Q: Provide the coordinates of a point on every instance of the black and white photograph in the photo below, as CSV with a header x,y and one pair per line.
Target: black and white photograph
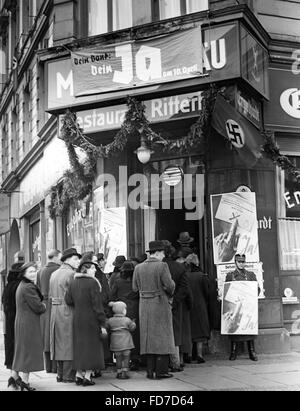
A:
x,y
149,198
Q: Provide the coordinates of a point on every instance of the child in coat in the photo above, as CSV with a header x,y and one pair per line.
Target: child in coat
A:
x,y
121,342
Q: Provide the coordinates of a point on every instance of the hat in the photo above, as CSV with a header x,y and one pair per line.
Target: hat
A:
x,y
82,263
185,238
16,267
119,261
127,266
70,253
118,307
156,246
25,267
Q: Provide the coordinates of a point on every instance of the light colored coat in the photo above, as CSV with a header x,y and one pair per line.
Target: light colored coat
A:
x,y
154,282
61,323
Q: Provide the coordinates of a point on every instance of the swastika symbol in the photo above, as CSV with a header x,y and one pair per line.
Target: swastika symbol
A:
x,y
235,134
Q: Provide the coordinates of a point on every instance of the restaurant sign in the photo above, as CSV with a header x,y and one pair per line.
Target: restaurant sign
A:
x,y
157,110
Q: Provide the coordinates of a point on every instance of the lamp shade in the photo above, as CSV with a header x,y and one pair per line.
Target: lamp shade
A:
x,y
144,154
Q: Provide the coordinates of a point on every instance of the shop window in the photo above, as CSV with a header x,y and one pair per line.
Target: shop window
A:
x,y
289,223
80,227
35,237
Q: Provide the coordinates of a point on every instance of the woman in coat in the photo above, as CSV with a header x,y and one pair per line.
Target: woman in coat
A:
x,y
28,354
9,308
84,294
199,317
122,291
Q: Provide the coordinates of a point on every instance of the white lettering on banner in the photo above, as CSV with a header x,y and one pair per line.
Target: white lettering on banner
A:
x,y
151,57
287,197
247,108
290,102
148,66
265,223
126,75
218,60
64,84
296,64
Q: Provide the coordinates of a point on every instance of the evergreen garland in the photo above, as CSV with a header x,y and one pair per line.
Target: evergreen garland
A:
x,y
77,183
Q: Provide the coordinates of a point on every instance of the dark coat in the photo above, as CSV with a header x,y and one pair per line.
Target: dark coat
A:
x,y
101,277
9,308
154,282
84,295
178,274
122,291
28,355
44,284
242,275
199,285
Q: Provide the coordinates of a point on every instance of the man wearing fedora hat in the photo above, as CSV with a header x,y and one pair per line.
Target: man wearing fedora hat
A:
x,y
61,323
155,285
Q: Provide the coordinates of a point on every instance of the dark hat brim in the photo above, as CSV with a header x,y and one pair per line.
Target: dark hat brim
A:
x,y
87,263
65,257
191,240
156,249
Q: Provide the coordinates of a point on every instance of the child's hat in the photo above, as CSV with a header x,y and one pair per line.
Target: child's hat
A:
x,y
118,307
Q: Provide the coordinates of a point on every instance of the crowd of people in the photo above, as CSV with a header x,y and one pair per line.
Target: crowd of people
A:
x,y
72,319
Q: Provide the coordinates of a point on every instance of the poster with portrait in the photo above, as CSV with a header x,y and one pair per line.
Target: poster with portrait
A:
x,y
224,269
234,227
240,308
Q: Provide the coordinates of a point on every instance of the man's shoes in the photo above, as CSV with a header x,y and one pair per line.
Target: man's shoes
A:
x,y
253,356
150,375
68,381
176,369
200,360
59,379
97,374
161,376
124,376
87,383
79,381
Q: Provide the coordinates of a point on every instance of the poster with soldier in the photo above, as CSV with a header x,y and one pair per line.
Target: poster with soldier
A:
x,y
240,308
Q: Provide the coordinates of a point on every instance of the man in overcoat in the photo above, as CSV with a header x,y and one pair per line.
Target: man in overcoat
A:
x,y
44,276
61,323
155,285
241,274
178,274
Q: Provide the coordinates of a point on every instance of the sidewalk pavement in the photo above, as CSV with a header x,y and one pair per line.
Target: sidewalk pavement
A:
x,y
271,373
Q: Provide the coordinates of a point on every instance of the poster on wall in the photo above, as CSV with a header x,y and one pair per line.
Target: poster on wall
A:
x,y
224,269
234,227
240,308
112,235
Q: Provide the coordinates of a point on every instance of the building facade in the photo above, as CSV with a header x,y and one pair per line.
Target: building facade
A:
x,y
243,48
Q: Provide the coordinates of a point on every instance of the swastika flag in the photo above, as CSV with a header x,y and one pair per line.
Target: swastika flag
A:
x,y
247,140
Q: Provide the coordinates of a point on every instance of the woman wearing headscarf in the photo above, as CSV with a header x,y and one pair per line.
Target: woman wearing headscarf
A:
x,y
84,294
9,308
28,354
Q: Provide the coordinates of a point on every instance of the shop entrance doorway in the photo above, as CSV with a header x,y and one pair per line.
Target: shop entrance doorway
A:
x,y
170,223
